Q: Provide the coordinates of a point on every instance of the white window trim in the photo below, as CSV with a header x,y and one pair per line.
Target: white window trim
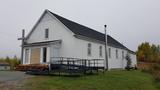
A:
x,y
24,56
41,55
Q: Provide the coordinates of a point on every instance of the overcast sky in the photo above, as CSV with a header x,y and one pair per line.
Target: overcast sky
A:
x,y
129,21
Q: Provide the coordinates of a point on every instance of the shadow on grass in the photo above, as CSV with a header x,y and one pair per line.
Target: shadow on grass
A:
x,y
62,74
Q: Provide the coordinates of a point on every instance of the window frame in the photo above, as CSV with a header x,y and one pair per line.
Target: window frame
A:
x,y
89,49
116,53
26,56
123,55
109,52
46,33
100,51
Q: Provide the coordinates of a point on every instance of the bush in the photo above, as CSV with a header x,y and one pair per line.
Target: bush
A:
x,y
154,69
156,66
129,62
156,75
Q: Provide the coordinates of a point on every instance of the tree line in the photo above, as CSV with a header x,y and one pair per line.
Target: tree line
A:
x,y
13,62
148,52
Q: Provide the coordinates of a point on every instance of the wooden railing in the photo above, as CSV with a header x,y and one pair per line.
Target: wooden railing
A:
x,y
75,65
77,61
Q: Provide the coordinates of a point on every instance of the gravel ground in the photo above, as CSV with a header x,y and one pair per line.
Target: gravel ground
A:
x,y
11,75
12,80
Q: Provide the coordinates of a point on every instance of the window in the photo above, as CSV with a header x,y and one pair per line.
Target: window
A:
x,y
109,54
46,33
100,51
116,53
122,55
5,67
26,56
89,49
44,54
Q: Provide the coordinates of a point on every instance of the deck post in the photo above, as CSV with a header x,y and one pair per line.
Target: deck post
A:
x,y
89,63
84,67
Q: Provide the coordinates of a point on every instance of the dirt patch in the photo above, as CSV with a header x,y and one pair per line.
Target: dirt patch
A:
x,y
14,85
11,85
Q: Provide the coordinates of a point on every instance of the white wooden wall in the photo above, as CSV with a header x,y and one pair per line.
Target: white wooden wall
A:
x,y
71,46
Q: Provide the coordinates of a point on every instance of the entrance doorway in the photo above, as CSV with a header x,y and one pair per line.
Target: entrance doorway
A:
x,y
44,54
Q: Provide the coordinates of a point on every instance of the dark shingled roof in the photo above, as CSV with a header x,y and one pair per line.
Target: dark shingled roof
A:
x,y
79,29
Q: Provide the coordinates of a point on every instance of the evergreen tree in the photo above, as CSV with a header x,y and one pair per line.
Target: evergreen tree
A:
x,y
129,62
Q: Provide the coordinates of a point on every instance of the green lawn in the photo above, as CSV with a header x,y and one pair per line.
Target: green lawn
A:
x,y
111,80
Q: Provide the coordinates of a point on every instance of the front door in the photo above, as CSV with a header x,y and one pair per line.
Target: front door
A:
x,y
44,54
35,56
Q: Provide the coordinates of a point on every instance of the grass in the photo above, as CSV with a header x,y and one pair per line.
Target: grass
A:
x,y
111,80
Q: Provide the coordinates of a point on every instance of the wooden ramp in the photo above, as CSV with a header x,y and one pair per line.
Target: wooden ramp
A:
x,y
76,66
62,65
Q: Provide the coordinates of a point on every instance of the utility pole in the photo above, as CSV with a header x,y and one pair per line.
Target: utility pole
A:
x,y
22,44
106,54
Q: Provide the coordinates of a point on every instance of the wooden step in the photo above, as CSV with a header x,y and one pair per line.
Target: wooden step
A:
x,y
30,67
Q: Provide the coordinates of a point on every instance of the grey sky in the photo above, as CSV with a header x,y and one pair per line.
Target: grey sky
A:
x,y
129,21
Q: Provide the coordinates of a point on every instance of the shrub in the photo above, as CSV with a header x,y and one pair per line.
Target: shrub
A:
x,y
154,69
156,66
156,75
129,62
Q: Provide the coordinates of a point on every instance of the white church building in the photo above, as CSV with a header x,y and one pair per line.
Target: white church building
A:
x,y
56,36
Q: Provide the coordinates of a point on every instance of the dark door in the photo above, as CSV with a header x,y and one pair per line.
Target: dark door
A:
x,y
44,54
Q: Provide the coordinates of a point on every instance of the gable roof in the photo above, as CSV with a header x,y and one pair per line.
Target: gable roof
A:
x,y
82,30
